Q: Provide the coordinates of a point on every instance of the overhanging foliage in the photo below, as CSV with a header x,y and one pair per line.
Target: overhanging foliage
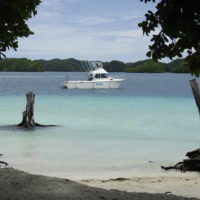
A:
x,y
178,22
13,17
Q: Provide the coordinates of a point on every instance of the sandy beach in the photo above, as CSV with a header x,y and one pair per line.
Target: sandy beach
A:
x,y
15,184
177,183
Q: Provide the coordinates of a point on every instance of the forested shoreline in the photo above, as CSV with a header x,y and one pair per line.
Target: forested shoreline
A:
x,y
71,64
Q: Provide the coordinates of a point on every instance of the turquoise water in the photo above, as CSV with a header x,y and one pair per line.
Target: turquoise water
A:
x,y
102,133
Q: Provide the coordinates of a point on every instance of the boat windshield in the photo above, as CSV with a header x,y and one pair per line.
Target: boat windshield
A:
x,y
101,75
104,75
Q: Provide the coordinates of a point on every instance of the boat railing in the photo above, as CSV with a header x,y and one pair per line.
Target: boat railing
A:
x,y
74,77
121,76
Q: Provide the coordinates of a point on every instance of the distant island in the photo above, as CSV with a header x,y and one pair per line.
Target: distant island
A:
x,y
74,65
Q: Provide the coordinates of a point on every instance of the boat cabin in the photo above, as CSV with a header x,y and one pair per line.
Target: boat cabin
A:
x,y
99,73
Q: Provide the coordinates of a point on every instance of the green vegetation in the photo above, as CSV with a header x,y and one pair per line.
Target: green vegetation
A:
x,y
21,64
115,66
71,64
147,67
56,64
177,66
13,17
177,24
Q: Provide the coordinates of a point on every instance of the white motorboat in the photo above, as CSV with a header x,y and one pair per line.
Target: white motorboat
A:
x,y
98,78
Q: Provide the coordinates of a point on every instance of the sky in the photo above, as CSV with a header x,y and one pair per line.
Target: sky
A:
x,y
86,29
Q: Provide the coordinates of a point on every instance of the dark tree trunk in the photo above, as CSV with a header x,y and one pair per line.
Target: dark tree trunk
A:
x,y
196,92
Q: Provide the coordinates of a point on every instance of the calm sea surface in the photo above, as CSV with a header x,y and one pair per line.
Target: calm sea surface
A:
x,y
102,133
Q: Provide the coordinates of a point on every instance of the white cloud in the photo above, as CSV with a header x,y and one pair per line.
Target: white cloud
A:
x,y
57,4
51,5
133,17
92,20
137,33
47,14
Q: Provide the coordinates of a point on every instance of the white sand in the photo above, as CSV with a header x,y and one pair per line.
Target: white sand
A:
x,y
178,183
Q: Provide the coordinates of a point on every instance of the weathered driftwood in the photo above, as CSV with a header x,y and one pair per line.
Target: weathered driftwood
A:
x,y
196,92
28,115
193,154
2,162
190,164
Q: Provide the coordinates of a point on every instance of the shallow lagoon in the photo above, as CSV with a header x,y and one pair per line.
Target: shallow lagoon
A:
x,y
102,133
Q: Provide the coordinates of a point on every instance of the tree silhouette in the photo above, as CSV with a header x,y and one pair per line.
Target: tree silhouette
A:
x,y
175,26
13,17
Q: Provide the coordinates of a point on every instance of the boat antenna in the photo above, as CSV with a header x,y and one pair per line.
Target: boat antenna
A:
x,y
87,64
84,66
92,67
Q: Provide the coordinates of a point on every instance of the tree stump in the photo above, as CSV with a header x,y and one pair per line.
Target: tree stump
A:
x,y
28,115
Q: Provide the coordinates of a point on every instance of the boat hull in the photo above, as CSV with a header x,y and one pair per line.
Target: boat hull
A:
x,y
93,84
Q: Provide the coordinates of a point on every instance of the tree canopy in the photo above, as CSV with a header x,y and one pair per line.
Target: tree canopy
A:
x,y
20,64
175,26
115,66
147,67
13,17
57,64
